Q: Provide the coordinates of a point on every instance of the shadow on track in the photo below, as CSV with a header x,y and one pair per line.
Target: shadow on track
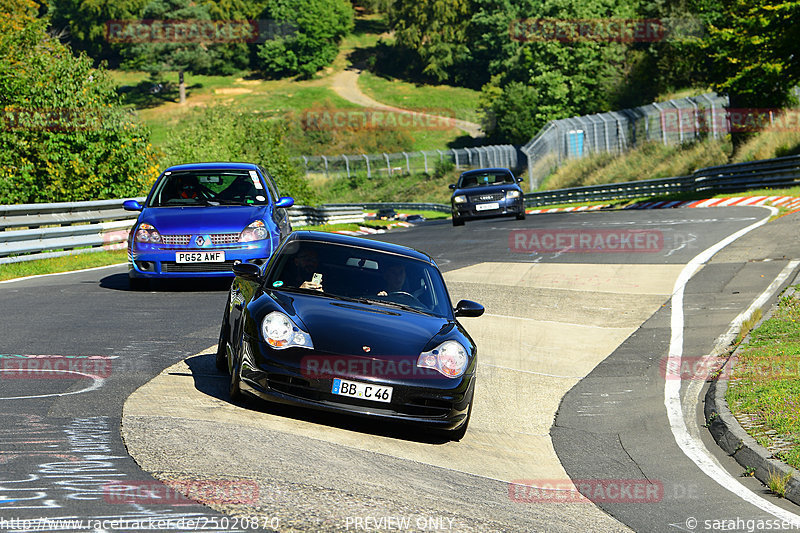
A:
x,y
120,282
210,381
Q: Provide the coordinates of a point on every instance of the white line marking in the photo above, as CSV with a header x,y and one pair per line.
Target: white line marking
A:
x,y
724,341
694,448
96,384
62,273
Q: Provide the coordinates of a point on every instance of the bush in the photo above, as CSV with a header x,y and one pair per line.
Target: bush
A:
x,y
221,134
64,135
318,26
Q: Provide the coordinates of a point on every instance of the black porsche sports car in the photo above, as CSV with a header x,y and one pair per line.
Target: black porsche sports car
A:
x,y
347,324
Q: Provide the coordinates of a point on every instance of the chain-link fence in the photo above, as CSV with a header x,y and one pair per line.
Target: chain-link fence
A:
x,y
670,122
505,156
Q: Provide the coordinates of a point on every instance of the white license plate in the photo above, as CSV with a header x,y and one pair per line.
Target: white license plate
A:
x,y
199,257
365,391
487,207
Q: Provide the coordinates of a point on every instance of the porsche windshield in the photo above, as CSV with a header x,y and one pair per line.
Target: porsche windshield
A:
x,y
369,276
209,187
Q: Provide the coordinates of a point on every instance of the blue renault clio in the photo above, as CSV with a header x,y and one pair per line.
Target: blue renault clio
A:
x,y
199,219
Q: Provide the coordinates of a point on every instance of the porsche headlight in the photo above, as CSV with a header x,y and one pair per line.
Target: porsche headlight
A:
x,y
460,199
256,231
281,332
449,358
147,233
512,194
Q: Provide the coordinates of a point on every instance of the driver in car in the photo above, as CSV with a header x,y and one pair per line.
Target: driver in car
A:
x,y
395,278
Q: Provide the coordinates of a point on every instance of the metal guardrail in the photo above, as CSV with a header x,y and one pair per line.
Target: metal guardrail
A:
x,y
417,206
51,230
769,173
40,231
316,216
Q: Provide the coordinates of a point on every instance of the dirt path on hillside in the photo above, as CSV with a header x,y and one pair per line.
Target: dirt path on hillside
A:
x,y
345,84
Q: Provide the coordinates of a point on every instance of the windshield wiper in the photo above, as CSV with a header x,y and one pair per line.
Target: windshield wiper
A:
x,y
391,303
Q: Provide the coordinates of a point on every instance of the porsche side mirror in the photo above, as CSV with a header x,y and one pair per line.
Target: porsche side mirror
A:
x,y
468,308
453,186
247,271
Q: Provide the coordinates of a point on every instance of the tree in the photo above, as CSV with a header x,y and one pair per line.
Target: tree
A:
x,y
435,30
83,24
308,36
64,136
752,45
181,37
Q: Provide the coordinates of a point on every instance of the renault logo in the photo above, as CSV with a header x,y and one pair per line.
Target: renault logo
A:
x,y
200,240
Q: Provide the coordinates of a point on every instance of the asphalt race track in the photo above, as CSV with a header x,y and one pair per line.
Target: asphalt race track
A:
x,y
579,324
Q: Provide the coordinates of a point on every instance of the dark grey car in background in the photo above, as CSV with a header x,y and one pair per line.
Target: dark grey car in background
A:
x,y
486,192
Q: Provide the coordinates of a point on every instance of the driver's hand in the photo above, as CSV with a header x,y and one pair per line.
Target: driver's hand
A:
x,y
382,293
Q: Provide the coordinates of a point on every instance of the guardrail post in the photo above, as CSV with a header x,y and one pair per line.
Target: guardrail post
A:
x,y
305,163
408,166
455,156
388,164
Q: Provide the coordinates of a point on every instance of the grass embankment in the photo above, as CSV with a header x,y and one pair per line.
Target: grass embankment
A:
x,y
457,102
291,99
654,160
384,188
764,391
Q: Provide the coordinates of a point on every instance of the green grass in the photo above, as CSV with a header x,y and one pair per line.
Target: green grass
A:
x,y
61,264
765,382
446,100
383,188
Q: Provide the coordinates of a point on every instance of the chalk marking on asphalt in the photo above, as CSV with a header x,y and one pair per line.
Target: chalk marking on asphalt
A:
x,y
62,273
96,384
693,448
